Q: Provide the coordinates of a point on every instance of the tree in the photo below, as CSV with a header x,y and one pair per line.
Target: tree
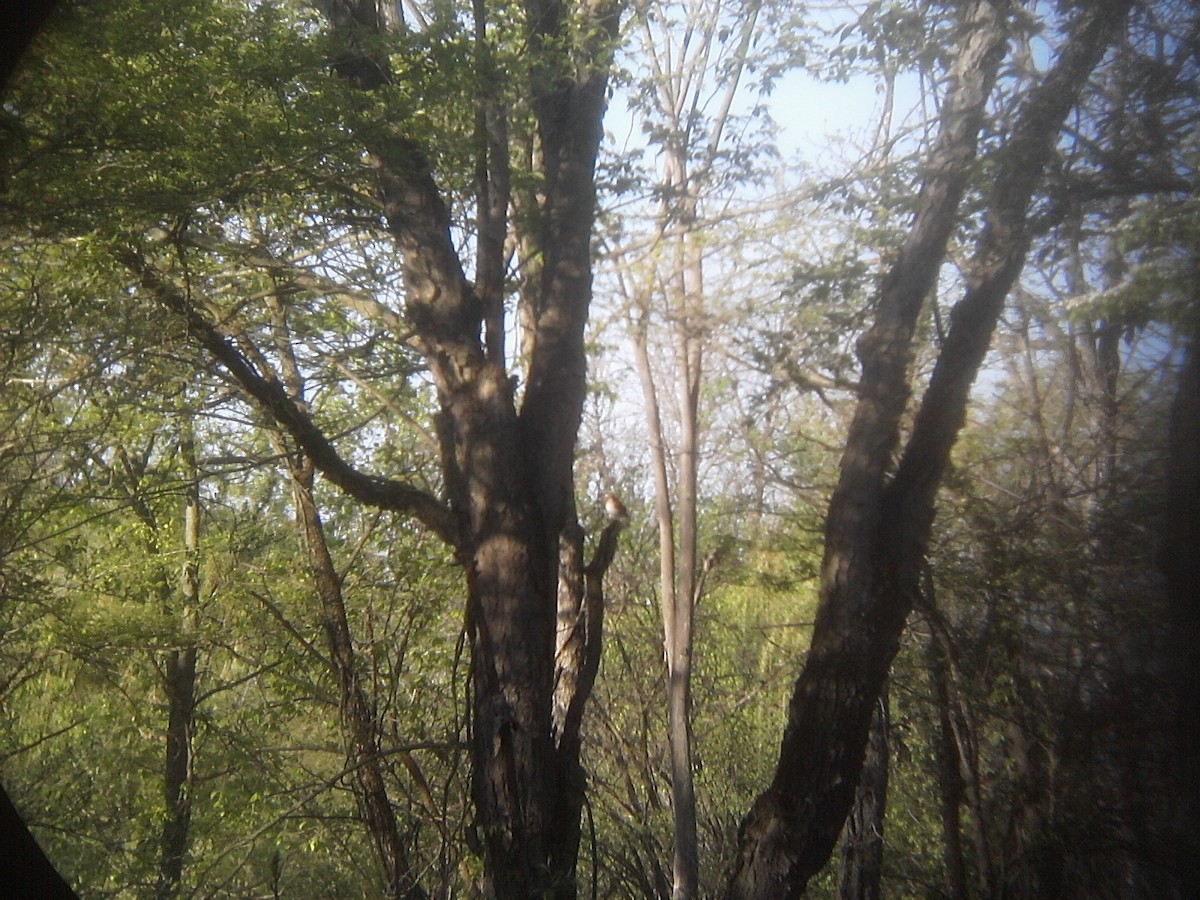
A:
x,y
27,867
508,471
363,238
860,869
696,58
179,682
1183,513
360,719
1049,666
878,528
109,489
508,509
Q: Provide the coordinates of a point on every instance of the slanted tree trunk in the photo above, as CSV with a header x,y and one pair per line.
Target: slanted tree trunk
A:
x,y
877,529
359,719
360,727
359,723
180,684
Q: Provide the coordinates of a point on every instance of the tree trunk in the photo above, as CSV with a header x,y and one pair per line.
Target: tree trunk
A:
x,y
958,756
792,827
861,870
681,88
677,579
360,730
359,721
1181,563
680,640
876,530
950,783
508,475
180,684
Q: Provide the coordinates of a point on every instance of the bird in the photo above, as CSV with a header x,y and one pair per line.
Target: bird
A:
x,y
615,509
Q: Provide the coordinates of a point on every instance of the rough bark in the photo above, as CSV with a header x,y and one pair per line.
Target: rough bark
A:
x,y
577,662
860,874
509,474
876,530
531,832
792,827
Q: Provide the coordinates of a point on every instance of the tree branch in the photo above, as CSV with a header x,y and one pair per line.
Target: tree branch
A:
x,y
994,268
272,399
356,300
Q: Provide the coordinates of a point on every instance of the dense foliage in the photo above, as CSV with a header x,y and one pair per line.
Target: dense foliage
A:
x,y
198,700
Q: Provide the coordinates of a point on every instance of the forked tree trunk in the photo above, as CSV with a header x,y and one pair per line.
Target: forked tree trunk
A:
x,y
509,473
877,530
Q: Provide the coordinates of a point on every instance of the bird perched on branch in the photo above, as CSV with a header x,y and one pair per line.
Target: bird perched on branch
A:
x,y
615,509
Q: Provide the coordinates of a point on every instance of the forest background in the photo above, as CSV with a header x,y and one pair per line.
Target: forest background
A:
x,y
328,329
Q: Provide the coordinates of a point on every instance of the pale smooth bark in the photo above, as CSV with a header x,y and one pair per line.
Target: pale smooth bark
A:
x,y
675,576
673,274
